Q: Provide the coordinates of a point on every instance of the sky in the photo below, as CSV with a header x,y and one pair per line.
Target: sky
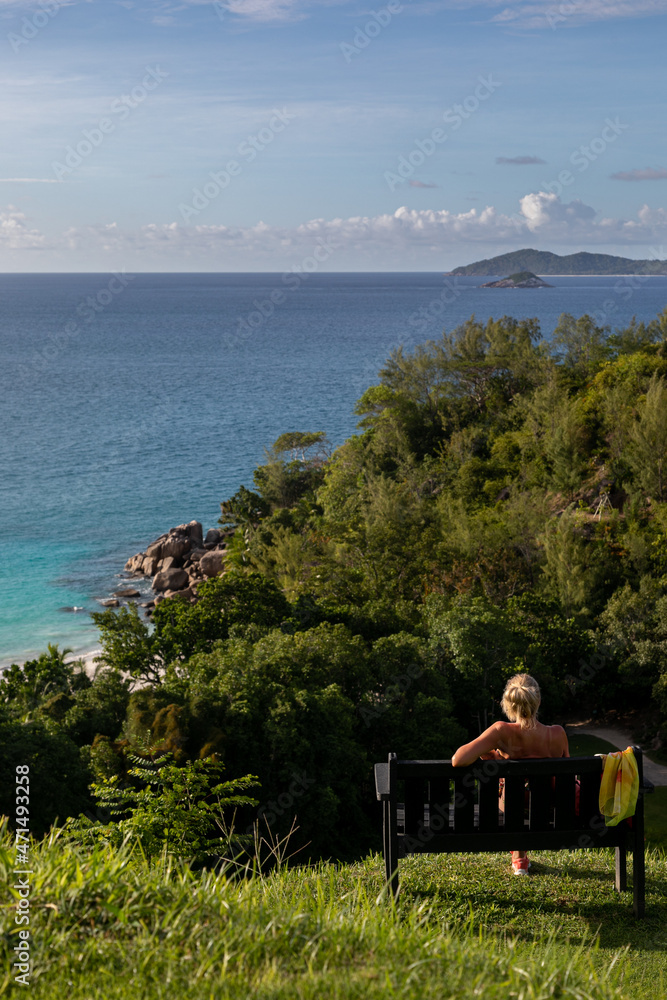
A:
x,y
264,135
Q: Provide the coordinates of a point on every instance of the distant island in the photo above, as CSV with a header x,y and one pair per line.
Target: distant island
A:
x,y
522,279
544,262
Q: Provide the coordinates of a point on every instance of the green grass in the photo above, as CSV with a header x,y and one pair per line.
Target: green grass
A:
x,y
105,926
583,745
655,818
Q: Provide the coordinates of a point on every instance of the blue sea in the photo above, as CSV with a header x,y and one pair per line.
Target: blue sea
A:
x,y
132,403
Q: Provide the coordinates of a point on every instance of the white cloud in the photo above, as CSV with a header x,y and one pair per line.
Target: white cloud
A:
x,y
265,10
551,14
28,180
540,14
534,14
401,238
547,211
14,232
541,214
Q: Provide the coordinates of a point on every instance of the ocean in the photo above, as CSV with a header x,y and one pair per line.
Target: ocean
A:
x,y
132,403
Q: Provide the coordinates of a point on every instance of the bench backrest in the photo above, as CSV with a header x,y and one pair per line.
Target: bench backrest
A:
x,y
548,803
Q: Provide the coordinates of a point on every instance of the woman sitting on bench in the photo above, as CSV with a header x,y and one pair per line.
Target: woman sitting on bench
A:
x,y
523,736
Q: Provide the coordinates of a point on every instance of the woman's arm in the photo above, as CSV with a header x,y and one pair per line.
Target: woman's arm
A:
x,y
490,740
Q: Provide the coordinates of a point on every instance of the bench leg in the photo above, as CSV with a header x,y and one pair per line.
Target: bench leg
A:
x,y
386,843
390,849
638,869
621,870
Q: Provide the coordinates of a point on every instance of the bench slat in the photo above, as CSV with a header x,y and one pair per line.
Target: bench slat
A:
x,y
541,802
464,806
589,800
439,797
414,807
564,801
489,813
514,803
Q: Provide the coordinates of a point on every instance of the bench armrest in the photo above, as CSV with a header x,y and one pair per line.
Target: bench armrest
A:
x,y
382,781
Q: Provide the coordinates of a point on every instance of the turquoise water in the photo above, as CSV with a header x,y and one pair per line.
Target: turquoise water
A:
x,y
129,406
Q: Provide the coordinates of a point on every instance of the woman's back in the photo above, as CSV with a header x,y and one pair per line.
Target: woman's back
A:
x,y
522,737
516,742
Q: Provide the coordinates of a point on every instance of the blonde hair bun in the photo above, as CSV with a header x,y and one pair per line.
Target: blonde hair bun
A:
x,y
521,700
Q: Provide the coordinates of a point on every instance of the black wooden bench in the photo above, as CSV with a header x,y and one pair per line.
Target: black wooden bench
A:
x,y
431,807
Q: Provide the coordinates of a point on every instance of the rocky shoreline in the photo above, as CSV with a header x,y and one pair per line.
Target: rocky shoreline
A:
x,y
176,563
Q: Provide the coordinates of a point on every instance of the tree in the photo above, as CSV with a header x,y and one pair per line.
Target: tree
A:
x,y
97,710
25,688
569,567
286,556
648,443
58,776
166,807
557,441
442,385
244,509
581,346
184,629
633,631
127,644
300,442
283,483
480,651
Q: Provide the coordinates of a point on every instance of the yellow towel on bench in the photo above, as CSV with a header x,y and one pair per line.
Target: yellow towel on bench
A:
x,y
619,786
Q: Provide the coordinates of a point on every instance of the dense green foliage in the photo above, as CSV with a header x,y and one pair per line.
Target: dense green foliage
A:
x,y
167,808
503,507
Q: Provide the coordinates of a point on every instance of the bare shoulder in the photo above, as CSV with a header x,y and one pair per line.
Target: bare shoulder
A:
x,y
502,727
499,729
559,737
505,733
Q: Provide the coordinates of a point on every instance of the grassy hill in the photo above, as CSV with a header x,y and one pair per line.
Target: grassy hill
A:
x,y
543,262
106,926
